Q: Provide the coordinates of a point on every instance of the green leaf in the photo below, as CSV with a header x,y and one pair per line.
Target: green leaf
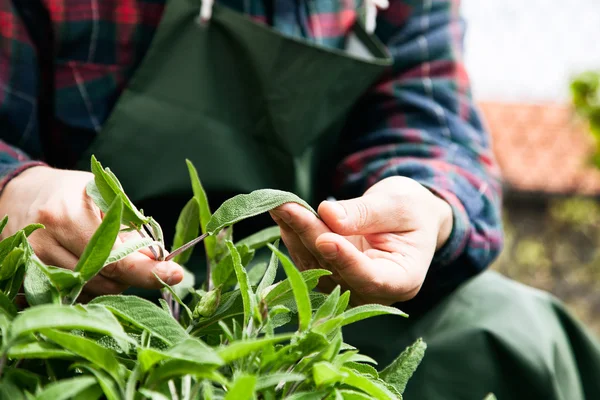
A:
x,y
144,315
247,295
313,395
39,350
13,285
100,245
127,248
37,285
249,205
152,394
66,389
62,279
367,311
94,193
107,384
364,369
191,350
278,291
23,379
242,348
7,307
13,261
361,358
178,368
261,238
373,388
50,316
9,391
268,380
224,272
109,188
342,304
299,289
186,230
256,273
176,297
204,209
352,395
242,388
9,243
87,349
402,368
490,396
325,374
3,223
327,309
271,272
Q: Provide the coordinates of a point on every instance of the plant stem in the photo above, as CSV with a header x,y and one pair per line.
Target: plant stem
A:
x,y
2,363
195,390
143,234
173,390
186,246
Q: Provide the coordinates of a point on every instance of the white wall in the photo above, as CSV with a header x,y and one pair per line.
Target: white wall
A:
x,y
527,50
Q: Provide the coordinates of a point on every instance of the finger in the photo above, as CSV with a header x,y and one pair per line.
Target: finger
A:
x,y
138,270
127,236
56,255
303,259
51,252
371,213
307,228
379,278
304,223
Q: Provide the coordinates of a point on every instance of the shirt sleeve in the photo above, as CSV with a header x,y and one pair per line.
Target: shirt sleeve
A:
x,y
419,121
18,108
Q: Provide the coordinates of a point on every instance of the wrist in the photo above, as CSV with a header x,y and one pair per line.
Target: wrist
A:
x,y
445,221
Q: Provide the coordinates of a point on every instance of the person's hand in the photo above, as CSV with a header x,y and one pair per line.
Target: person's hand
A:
x,y
58,200
378,246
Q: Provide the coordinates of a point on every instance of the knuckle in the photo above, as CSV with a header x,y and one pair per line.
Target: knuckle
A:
x,y
48,216
362,214
112,271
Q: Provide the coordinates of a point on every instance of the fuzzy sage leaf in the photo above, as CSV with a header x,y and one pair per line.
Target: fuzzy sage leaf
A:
x,y
299,289
186,230
249,205
245,289
203,209
100,245
108,186
402,368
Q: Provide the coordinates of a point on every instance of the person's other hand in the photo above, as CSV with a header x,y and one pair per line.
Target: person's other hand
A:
x,y
379,246
58,200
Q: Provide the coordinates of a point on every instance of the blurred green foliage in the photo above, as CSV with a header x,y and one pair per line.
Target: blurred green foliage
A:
x,y
585,92
554,245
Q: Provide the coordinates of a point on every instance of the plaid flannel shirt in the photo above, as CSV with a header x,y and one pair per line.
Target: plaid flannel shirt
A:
x,y
418,121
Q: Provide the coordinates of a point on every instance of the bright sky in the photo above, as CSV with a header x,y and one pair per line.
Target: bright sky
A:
x,y
527,50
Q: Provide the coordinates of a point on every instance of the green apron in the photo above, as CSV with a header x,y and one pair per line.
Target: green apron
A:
x,y
255,109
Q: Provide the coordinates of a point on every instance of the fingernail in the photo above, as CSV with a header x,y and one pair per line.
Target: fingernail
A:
x,y
328,250
338,210
284,215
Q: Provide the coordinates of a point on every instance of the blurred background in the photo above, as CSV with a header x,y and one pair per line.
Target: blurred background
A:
x,y
522,57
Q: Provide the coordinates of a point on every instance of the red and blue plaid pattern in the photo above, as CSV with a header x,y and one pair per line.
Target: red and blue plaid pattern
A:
x,y
418,121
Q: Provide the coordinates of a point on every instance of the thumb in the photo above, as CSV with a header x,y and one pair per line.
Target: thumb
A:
x,y
371,213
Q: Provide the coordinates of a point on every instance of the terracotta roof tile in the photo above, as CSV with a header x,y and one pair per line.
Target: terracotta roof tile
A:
x,y
542,148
